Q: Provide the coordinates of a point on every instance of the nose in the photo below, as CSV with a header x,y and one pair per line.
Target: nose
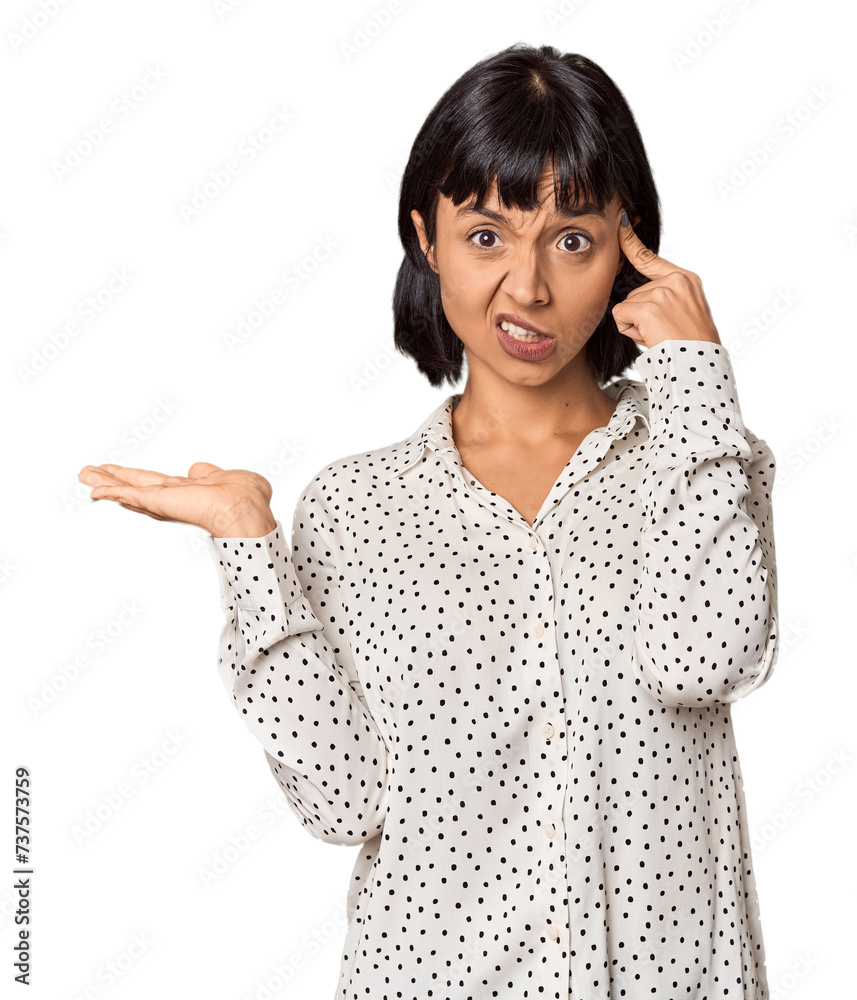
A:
x,y
524,280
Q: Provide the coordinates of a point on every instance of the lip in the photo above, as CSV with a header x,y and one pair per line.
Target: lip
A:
x,y
541,350
520,321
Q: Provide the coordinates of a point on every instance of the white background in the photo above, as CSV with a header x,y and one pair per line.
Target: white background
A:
x,y
149,381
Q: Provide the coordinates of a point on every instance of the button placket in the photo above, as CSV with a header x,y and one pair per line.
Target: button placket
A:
x,y
552,875
548,731
538,629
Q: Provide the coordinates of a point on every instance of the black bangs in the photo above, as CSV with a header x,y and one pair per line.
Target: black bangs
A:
x,y
507,120
521,133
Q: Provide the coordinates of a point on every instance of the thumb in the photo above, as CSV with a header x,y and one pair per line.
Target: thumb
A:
x,y
200,469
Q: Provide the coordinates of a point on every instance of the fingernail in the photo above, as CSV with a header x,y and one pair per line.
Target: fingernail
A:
x,y
624,219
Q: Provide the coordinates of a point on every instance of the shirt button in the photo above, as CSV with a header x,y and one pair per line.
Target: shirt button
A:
x,y
548,730
538,631
535,544
550,830
552,932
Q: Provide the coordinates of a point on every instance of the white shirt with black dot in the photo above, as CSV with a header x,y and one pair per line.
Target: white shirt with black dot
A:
x,y
526,730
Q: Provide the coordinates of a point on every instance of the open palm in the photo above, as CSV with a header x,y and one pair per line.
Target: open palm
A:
x,y
212,498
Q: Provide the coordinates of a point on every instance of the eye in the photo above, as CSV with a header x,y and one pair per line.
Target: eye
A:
x,y
568,243
487,233
487,239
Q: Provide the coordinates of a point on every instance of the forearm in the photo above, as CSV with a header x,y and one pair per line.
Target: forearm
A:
x,y
295,693
706,630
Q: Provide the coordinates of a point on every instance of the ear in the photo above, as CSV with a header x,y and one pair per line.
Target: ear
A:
x,y
419,225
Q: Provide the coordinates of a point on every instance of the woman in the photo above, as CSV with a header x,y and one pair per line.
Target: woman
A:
x,y
499,654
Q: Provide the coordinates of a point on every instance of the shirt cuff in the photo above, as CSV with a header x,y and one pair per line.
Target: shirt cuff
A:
x,y
694,413
688,373
257,574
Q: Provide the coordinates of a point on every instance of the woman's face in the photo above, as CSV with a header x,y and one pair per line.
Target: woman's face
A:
x,y
548,271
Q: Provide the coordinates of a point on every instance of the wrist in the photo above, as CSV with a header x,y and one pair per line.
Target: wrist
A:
x,y
252,521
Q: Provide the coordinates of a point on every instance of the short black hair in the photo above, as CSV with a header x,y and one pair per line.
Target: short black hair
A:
x,y
506,119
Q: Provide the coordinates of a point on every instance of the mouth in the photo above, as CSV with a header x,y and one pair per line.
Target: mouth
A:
x,y
523,334
523,343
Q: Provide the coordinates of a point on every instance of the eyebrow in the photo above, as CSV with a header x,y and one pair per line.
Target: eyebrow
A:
x,y
563,213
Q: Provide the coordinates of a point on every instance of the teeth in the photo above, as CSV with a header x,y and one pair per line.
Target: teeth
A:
x,y
519,333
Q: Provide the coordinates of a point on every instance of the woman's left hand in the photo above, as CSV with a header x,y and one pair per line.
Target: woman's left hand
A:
x,y
671,306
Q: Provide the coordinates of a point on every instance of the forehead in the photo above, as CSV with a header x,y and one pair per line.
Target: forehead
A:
x,y
546,204
491,207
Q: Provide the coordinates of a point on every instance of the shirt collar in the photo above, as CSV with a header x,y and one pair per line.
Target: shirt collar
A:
x,y
435,433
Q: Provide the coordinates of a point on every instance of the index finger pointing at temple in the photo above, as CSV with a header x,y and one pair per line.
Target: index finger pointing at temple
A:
x,y
644,260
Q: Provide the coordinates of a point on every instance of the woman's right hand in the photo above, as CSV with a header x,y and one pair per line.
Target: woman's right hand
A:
x,y
231,503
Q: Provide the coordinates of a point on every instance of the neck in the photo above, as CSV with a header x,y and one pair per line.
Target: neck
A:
x,y
494,413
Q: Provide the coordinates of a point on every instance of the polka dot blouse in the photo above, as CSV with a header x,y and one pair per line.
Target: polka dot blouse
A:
x,y
526,730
